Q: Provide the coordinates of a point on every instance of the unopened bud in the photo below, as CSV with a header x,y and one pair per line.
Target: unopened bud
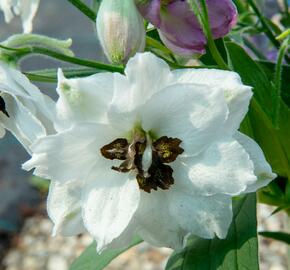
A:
x,y
120,29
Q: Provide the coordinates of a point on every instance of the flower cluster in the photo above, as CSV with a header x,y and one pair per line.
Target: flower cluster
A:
x,y
121,30
154,152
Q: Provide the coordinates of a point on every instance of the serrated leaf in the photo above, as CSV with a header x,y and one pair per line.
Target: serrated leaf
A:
x,y
90,260
239,251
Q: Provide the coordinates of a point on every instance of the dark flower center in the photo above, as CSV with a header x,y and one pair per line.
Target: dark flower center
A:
x,y
3,107
161,151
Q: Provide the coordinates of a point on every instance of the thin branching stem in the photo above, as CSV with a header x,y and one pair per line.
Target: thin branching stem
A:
x,y
84,9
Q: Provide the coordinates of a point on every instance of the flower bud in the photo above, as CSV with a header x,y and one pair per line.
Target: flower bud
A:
x,y
178,27
120,29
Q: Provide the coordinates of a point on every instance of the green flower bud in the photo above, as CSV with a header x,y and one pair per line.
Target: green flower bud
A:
x,y
120,29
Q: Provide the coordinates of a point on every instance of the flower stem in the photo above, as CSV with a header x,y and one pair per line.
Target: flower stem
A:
x,y
286,8
277,81
211,44
268,30
154,43
84,9
50,75
264,23
78,61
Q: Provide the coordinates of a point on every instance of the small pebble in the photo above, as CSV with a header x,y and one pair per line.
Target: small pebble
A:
x,y
38,250
57,262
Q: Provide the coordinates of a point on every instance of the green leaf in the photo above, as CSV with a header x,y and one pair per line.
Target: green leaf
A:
x,y
90,260
280,236
269,69
280,208
258,123
239,251
252,75
208,59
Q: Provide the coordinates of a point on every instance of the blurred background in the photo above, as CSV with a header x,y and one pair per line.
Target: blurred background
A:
x,y
25,240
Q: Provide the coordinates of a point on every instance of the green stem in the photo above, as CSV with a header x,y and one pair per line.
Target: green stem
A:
x,y
154,43
211,44
268,30
286,7
84,9
50,75
65,58
39,78
284,34
277,80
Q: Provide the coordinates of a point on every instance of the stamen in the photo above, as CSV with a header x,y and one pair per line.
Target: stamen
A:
x,y
146,158
167,148
116,150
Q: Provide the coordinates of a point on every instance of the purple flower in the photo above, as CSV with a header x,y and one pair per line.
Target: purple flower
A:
x,y
179,28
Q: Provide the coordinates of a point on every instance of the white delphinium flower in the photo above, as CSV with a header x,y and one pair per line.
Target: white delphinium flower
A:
x,y
24,8
24,110
154,153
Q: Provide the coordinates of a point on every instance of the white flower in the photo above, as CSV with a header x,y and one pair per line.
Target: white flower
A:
x,y
153,152
24,8
24,110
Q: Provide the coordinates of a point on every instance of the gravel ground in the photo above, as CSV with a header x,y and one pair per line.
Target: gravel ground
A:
x,y
35,249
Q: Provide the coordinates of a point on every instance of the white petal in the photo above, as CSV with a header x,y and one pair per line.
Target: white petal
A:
x,y
203,216
146,74
83,99
5,5
27,9
262,169
31,113
64,207
236,94
21,122
193,113
70,154
2,132
154,222
125,238
16,84
224,168
109,202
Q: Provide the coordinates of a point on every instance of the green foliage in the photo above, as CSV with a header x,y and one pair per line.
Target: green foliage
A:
x,y
90,260
238,251
258,124
269,70
280,236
